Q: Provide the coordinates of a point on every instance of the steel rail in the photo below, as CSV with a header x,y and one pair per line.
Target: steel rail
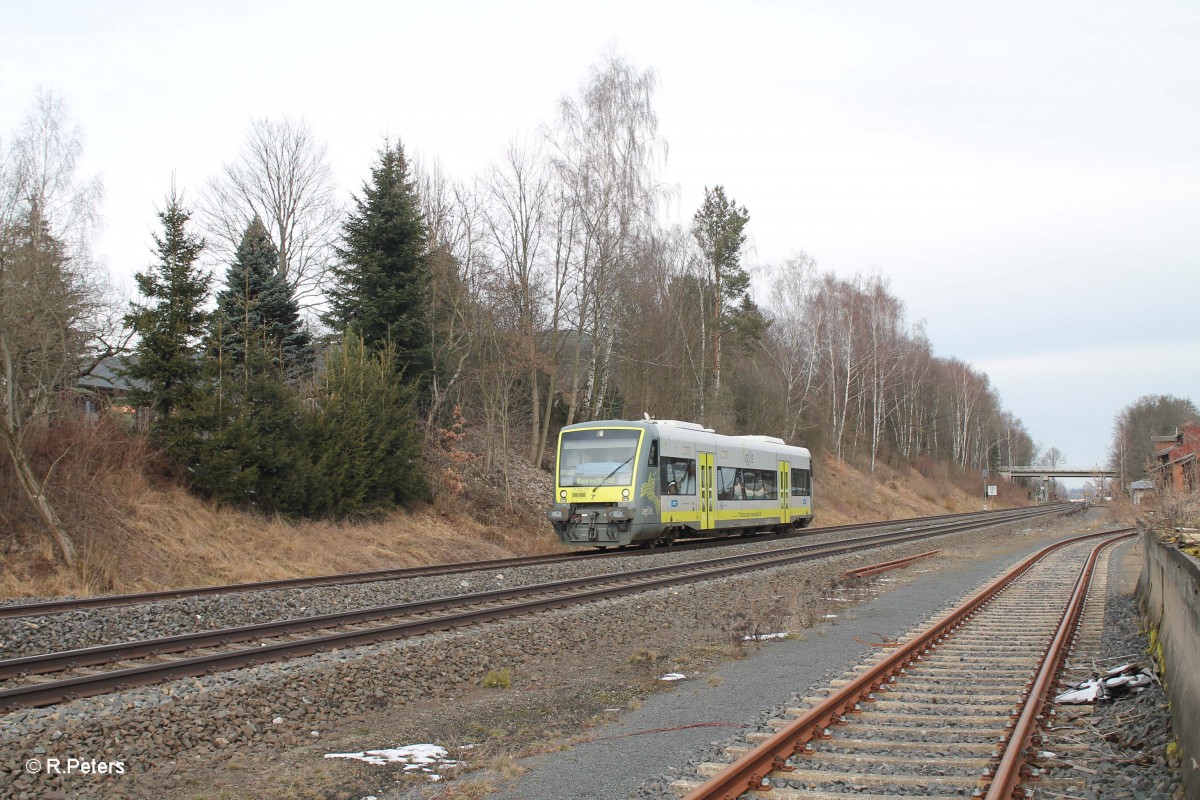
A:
x,y
751,771
104,654
884,566
1009,772
42,608
48,693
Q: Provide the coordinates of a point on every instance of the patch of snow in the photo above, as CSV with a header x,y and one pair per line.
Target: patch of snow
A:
x,y
830,616
763,636
673,676
414,757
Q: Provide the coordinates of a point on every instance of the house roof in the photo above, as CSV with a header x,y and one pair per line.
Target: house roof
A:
x,y
109,375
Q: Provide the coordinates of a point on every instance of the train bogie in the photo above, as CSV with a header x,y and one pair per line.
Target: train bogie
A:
x,y
648,482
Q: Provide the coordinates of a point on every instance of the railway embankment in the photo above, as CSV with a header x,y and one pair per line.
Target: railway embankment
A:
x,y
1169,597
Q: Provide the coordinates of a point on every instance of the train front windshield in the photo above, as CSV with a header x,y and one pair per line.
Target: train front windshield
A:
x,y
597,457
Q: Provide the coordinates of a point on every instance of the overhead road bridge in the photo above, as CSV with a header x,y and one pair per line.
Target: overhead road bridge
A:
x,y
1045,473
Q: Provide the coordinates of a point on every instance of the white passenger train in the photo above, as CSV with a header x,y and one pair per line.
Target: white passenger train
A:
x,y
652,481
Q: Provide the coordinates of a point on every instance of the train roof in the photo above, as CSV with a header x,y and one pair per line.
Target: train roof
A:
x,y
692,427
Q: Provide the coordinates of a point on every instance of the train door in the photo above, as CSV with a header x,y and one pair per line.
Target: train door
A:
x,y
708,510
785,492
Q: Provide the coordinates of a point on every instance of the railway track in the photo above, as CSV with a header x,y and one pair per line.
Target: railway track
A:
x,y
98,670
17,610
953,711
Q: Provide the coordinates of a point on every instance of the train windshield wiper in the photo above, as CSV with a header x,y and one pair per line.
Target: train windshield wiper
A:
x,y
614,472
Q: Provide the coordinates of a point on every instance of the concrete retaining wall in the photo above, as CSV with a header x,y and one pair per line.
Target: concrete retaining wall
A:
x,y
1169,596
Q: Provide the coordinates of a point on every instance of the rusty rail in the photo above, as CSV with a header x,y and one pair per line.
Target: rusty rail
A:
x,y
1008,774
884,566
752,770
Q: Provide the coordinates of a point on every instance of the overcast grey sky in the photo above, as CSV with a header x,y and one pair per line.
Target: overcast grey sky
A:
x,y
1026,174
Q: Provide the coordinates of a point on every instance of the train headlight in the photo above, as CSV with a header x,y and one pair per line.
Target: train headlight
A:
x,y
563,494
624,494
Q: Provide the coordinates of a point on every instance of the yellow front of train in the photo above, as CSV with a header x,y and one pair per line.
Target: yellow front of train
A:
x,y
600,474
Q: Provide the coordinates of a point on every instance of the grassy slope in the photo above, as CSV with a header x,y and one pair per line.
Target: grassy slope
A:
x,y
137,533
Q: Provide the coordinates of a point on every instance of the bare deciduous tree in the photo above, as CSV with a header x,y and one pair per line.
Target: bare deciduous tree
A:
x,y
283,176
517,192
791,339
455,231
1053,458
607,144
51,299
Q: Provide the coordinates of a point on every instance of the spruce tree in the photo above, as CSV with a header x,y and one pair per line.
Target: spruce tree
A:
x,y
381,290
254,449
166,367
365,440
257,312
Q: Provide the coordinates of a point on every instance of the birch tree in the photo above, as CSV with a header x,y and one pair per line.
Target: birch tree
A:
x,y
791,342
606,146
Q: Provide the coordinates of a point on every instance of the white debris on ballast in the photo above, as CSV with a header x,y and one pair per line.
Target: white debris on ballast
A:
x,y
415,758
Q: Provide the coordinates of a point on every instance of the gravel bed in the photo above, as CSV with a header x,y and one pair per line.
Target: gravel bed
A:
x,y
78,629
157,731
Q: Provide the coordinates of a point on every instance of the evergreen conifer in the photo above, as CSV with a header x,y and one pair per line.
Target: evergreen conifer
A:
x,y
381,290
166,366
257,311
365,439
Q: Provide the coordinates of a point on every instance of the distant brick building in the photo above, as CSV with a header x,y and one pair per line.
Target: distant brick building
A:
x,y
1175,458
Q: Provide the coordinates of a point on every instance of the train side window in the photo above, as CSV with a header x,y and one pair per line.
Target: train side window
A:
x,y
801,483
768,482
677,475
652,461
726,477
739,485
751,483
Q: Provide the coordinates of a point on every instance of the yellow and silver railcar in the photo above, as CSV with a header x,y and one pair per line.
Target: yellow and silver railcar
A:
x,y
651,482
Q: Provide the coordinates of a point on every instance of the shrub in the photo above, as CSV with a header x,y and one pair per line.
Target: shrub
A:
x,y
498,679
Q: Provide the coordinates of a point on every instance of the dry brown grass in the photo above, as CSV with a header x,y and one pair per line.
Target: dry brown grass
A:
x,y
170,538
1171,515
846,494
137,531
